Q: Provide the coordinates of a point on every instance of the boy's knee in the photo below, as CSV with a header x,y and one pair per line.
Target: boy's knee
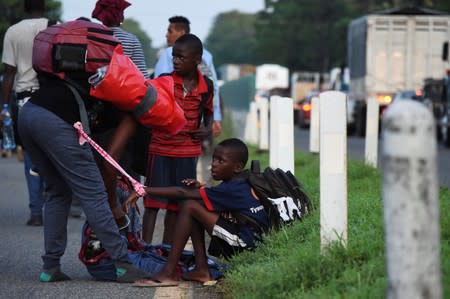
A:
x,y
189,205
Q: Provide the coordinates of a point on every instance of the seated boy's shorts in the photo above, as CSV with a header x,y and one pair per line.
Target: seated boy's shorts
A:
x,y
167,171
225,240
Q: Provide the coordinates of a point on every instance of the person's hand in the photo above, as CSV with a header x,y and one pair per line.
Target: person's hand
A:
x,y
193,183
131,200
200,133
216,128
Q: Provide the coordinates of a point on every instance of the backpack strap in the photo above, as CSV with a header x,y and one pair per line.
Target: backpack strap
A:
x,y
255,166
81,107
205,96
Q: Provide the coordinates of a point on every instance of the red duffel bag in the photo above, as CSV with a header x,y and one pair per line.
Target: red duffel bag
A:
x,y
152,101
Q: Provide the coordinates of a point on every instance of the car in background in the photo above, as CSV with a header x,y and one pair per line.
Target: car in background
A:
x,y
408,95
437,99
303,109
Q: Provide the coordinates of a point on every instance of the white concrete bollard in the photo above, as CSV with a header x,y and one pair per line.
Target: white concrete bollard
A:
x,y
333,168
263,117
281,154
373,118
410,197
314,140
251,125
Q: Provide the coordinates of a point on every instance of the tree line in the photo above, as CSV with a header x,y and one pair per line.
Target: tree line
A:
x,y
305,35
13,12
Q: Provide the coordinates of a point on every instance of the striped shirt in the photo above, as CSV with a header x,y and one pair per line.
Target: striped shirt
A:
x,y
132,48
182,145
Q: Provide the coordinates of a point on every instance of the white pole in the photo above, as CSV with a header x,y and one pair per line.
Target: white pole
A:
x,y
314,141
281,133
263,105
410,197
373,118
251,125
333,168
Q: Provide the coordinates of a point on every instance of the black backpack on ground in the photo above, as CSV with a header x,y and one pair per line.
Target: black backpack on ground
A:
x,y
283,197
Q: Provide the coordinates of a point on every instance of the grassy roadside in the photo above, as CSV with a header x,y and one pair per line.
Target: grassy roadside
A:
x,y
288,264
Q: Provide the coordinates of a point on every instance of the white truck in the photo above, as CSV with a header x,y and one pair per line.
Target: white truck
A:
x,y
391,51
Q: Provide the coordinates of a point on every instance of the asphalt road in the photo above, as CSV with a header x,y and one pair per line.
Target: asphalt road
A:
x,y
356,147
21,248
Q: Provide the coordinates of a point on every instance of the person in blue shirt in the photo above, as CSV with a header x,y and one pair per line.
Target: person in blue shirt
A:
x,y
219,210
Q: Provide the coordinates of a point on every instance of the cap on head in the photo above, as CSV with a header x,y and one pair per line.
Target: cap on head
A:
x,y
110,12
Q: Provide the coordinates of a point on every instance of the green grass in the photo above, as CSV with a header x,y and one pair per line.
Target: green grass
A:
x,y
289,264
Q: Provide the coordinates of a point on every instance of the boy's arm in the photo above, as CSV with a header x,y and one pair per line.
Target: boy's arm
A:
x,y
174,192
125,130
205,130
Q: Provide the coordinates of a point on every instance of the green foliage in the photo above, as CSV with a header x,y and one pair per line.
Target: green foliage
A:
x,y
304,35
133,26
231,29
13,12
289,264
301,35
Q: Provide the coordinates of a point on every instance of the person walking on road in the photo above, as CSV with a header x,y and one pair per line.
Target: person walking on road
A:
x,y
17,54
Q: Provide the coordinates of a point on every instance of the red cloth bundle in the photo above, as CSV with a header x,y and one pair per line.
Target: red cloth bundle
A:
x,y
152,101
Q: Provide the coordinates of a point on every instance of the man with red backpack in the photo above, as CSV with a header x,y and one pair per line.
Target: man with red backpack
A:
x,y
69,169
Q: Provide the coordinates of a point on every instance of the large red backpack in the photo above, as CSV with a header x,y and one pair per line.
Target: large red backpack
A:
x,y
73,46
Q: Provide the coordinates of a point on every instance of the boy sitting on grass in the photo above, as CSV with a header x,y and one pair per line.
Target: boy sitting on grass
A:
x,y
211,209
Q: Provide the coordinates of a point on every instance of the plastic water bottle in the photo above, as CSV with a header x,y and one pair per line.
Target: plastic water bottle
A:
x,y
8,129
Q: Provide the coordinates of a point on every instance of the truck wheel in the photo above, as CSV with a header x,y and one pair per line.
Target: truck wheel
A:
x,y
446,137
439,135
360,120
360,127
350,129
301,120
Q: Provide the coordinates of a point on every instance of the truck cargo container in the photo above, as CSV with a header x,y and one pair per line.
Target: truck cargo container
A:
x,y
391,51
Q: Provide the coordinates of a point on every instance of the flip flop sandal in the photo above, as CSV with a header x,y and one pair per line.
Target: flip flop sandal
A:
x,y
151,283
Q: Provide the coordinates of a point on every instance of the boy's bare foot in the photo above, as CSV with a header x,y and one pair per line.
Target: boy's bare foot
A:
x,y
197,275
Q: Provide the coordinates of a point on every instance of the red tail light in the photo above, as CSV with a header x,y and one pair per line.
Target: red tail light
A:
x,y
306,107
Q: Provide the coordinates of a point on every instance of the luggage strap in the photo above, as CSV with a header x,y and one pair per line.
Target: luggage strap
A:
x,y
83,137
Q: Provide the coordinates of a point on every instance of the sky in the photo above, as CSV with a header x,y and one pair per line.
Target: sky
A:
x,y
153,15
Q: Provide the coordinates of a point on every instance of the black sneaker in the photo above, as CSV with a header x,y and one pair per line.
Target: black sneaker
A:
x,y
35,220
127,273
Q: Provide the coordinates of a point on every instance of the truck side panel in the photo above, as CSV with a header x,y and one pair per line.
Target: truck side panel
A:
x,y
402,51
